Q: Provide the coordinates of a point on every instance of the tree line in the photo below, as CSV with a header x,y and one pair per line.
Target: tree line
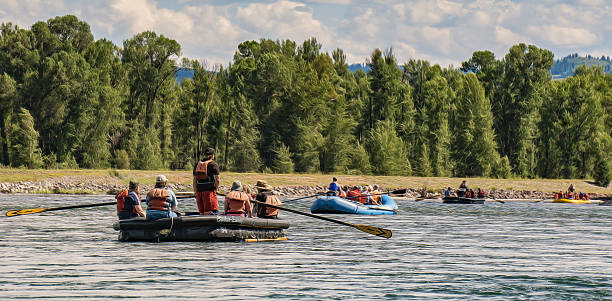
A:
x,y
70,101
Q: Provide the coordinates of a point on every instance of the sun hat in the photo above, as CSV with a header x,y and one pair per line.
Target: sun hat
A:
x,y
261,184
161,179
236,186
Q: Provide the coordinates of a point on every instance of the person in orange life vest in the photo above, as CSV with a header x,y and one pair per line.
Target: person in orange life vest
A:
x,y
376,197
206,182
355,195
481,193
266,195
128,203
237,202
161,201
343,191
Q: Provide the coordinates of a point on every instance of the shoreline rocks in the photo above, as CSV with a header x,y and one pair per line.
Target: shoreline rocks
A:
x,y
80,187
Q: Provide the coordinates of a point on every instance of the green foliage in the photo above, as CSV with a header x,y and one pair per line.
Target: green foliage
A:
x,y
359,160
387,152
122,159
282,160
602,172
24,142
501,168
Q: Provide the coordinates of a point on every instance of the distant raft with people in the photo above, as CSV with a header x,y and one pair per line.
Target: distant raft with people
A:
x,y
202,228
571,201
336,204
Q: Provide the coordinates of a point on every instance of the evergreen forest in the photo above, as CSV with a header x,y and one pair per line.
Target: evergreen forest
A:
x,y
69,101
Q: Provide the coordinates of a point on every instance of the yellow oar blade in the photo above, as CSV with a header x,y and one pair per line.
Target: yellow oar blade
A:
x,y
374,230
25,211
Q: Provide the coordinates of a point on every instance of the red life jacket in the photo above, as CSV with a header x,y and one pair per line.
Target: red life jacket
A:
x,y
265,211
236,202
158,199
354,195
120,197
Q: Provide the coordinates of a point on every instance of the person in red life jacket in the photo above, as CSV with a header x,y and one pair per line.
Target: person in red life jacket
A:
x,y
481,193
355,195
161,201
266,195
128,203
206,182
238,202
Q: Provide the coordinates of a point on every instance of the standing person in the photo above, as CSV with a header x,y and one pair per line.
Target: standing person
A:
x,y
161,201
571,188
238,202
128,203
266,196
206,182
463,188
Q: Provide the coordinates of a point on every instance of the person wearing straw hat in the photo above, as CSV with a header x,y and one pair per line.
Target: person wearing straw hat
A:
x,y
266,196
161,201
206,182
238,202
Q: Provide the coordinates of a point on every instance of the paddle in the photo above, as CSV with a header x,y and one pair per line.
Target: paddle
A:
x,y
399,191
39,210
365,228
304,197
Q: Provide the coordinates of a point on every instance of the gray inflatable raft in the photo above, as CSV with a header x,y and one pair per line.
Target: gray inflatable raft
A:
x,y
202,228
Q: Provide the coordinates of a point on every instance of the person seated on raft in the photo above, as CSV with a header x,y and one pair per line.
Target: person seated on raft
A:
x,y
334,188
354,194
161,201
343,191
266,196
238,202
128,203
447,192
463,188
376,198
481,193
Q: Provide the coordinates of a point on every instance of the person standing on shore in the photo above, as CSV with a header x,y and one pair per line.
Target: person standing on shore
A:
x,y
206,182
161,201
128,203
266,196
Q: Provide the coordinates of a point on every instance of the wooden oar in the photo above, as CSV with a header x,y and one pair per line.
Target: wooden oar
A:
x,y
304,197
365,228
39,210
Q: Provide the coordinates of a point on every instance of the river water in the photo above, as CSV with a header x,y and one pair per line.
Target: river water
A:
x,y
536,251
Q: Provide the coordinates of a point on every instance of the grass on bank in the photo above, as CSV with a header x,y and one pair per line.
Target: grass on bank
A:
x,y
111,176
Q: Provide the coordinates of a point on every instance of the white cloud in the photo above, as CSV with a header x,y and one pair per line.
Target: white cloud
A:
x,y
441,31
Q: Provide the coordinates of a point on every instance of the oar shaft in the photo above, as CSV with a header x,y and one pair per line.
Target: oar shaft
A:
x,y
304,213
81,206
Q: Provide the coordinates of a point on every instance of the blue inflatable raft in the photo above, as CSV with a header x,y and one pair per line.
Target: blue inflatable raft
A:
x,y
334,204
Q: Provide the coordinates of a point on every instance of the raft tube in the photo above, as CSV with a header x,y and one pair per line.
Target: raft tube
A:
x,y
202,228
461,200
572,201
335,204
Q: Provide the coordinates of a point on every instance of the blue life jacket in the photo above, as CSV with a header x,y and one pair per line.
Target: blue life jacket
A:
x,y
334,186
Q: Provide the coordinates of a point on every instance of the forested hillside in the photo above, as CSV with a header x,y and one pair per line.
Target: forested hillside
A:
x,y
281,106
565,67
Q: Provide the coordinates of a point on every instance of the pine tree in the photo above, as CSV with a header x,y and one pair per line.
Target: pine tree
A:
x,y
24,141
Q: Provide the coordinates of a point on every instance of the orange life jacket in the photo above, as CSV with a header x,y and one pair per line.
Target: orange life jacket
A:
x,y
342,194
203,181
236,202
265,211
120,197
355,195
158,199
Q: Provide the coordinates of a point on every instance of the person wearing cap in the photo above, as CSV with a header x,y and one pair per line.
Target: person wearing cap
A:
x,y
266,196
161,201
238,202
206,182
128,203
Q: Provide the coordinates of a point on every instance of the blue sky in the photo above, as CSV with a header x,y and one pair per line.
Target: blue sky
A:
x,y
444,32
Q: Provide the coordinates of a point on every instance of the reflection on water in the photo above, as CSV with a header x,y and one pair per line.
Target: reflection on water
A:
x,y
438,251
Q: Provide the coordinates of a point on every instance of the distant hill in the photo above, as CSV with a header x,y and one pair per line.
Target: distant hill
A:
x,y
561,68
565,67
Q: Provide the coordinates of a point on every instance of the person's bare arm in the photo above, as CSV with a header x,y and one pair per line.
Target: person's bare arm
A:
x,y
140,211
216,181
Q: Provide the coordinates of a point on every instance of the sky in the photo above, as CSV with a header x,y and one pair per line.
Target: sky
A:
x,y
444,32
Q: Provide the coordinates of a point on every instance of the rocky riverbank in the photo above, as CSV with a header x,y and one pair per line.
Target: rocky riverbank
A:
x,y
108,187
